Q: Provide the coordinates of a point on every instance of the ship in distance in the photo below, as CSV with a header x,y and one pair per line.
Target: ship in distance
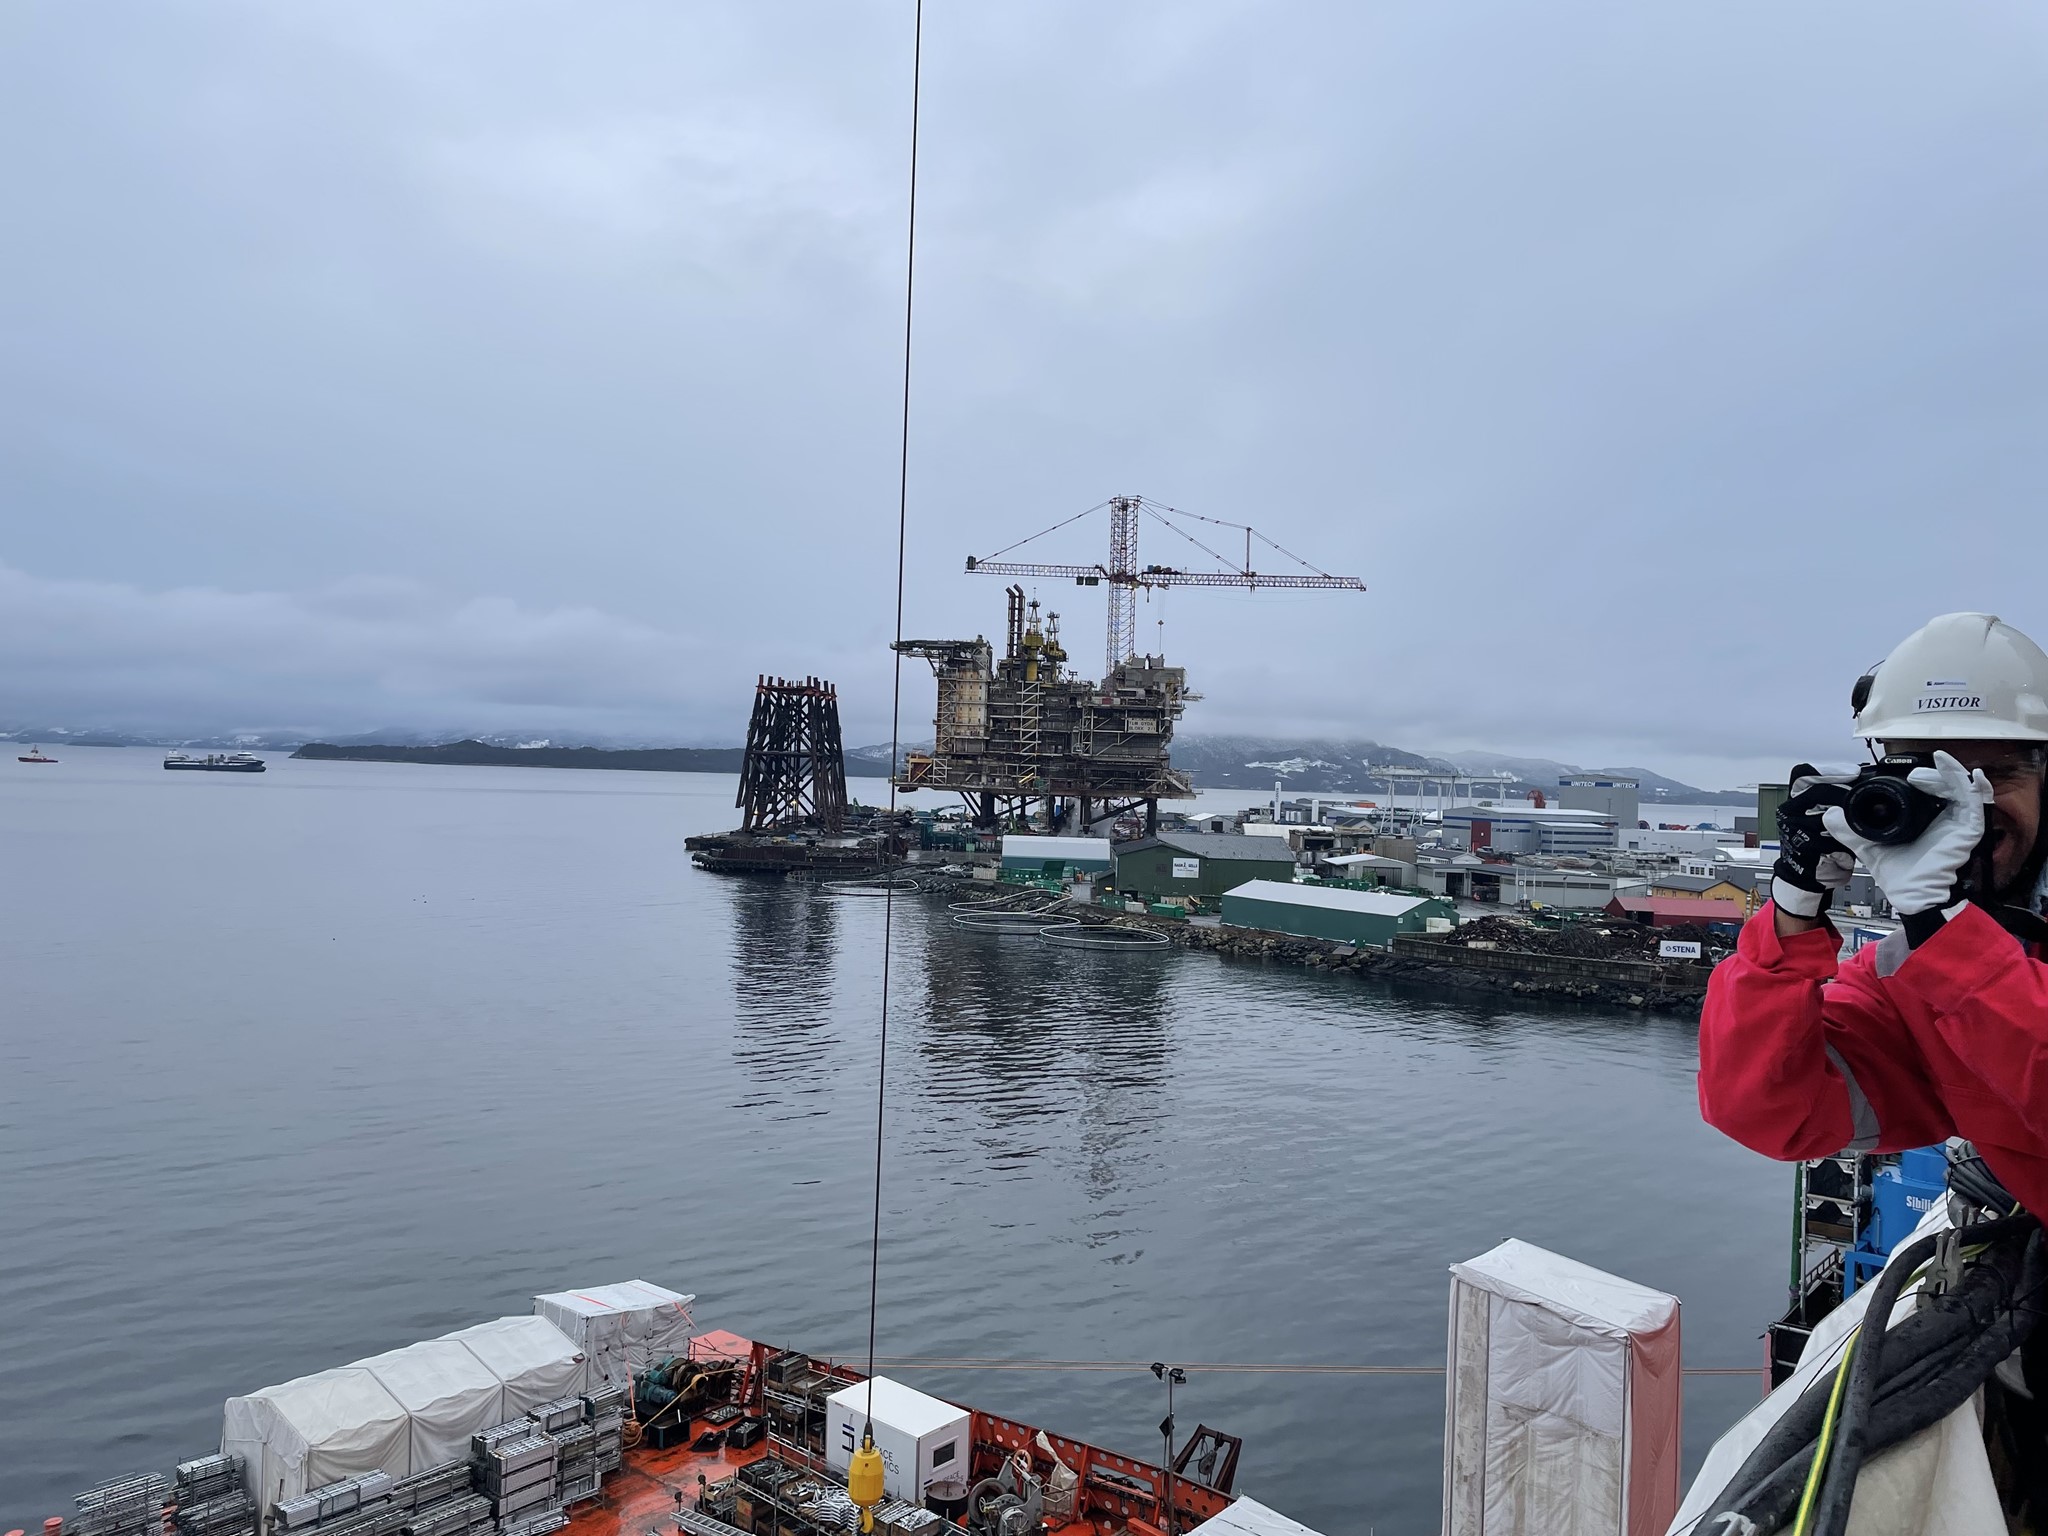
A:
x,y
217,762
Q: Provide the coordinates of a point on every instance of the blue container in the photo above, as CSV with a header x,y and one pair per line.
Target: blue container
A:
x,y
1900,1196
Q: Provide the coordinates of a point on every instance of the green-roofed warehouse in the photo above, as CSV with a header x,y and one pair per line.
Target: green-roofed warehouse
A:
x,y
1198,863
1320,912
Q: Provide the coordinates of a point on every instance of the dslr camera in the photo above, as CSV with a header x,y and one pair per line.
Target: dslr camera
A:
x,y
1883,807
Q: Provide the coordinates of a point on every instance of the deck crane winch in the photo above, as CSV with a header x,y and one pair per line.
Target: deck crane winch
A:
x,y
1125,576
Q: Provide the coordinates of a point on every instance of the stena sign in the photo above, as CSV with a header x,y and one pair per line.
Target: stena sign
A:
x,y
1187,869
1678,949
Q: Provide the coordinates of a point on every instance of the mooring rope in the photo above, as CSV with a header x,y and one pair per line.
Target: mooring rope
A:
x,y
1238,1367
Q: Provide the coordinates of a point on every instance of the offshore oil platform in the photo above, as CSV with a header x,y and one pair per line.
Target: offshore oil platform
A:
x,y
1017,732
1019,737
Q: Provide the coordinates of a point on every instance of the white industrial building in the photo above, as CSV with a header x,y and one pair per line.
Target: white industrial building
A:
x,y
1679,840
1605,793
1058,855
1577,889
1517,826
1372,867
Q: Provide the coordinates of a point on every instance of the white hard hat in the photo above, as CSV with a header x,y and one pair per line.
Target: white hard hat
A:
x,y
1961,677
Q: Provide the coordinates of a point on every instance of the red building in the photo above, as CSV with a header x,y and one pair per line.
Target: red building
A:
x,y
1674,911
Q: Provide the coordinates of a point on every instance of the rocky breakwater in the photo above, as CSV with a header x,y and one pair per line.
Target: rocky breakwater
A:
x,y
1607,965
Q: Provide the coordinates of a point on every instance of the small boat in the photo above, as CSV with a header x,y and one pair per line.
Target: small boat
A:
x,y
217,762
34,755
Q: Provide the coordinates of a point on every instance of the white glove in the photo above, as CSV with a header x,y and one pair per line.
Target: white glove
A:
x,y
1921,875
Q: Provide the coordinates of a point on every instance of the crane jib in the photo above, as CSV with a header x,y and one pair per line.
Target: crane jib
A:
x,y
1164,577
1125,576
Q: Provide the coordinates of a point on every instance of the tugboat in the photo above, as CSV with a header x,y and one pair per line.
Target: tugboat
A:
x,y
218,762
34,755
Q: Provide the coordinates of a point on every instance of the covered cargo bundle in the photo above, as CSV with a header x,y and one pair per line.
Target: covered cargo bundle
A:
x,y
403,1412
623,1329
535,1360
315,1430
1562,1414
448,1395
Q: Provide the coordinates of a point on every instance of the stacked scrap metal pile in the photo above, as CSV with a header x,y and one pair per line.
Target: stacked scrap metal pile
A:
x,y
1611,939
127,1506
207,1498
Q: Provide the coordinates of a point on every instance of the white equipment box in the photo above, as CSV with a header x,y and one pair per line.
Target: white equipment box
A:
x,y
922,1439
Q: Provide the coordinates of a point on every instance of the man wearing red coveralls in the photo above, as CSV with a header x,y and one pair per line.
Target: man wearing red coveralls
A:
x,y
1942,1029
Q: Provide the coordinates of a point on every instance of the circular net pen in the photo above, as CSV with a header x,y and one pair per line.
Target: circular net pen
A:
x,y
887,885
1073,935
1013,921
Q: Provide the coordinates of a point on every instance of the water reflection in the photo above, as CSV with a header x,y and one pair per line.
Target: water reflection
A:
x,y
785,947
1052,1059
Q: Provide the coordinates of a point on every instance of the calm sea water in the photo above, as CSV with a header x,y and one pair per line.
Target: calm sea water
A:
x,y
302,1067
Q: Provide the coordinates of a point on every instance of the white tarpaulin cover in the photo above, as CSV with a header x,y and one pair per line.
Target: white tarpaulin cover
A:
x,y
621,1328
1562,1417
448,1395
530,1355
315,1430
1935,1483
399,1412
1247,1517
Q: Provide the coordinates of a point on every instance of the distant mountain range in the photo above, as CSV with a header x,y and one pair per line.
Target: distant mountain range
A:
x,y
1214,762
481,754
1331,767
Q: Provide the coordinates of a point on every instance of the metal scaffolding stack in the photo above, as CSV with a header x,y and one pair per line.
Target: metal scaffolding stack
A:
x,y
607,1410
516,1471
127,1506
434,1502
207,1498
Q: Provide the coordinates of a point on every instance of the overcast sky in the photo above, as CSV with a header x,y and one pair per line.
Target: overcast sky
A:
x,y
519,365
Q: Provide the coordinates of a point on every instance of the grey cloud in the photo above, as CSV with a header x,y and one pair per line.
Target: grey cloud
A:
x,y
348,656
1657,366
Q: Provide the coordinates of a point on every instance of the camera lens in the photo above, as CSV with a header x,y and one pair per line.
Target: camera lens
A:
x,y
1881,810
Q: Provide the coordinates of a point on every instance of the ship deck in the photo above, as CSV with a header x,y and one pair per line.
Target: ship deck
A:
x,y
1119,1496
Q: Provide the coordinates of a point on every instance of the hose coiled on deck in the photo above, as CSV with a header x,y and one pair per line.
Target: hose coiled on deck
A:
x,y
1902,1379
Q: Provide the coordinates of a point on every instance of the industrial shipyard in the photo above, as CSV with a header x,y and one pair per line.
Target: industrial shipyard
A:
x,y
1063,790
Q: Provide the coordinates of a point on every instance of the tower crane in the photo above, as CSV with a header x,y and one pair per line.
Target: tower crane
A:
x,y
1125,576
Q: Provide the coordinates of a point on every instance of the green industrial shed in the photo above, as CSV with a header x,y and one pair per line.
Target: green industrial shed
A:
x,y
1319,912
1199,863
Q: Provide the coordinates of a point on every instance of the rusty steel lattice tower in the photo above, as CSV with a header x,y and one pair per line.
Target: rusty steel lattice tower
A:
x,y
795,768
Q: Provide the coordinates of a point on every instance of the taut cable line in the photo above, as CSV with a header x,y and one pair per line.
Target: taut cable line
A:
x,y
895,708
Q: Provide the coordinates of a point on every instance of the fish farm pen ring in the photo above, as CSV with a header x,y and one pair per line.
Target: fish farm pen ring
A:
x,y
871,887
1046,901
1028,923
1113,936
